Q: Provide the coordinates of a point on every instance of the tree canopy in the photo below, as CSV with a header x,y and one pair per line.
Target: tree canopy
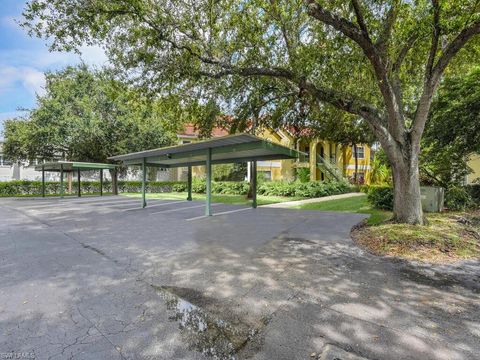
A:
x,y
86,115
453,132
381,60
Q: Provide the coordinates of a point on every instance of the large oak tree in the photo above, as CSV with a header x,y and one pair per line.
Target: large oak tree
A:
x,y
379,60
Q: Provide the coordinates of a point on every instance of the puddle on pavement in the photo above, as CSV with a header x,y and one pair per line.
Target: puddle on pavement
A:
x,y
201,330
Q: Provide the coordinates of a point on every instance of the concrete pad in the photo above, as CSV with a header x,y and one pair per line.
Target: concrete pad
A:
x,y
80,280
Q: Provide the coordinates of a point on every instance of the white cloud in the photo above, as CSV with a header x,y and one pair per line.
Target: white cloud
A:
x,y
29,78
93,55
43,59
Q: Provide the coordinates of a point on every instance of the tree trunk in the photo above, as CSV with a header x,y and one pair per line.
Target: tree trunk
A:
x,y
113,175
407,202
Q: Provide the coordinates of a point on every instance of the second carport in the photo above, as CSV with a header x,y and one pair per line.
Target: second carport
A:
x,y
221,150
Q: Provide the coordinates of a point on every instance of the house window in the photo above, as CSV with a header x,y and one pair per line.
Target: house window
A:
x,y
4,161
267,175
360,152
360,177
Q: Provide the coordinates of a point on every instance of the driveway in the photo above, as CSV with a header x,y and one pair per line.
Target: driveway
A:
x,y
94,278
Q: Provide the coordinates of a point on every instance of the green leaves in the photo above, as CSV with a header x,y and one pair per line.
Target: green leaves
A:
x,y
453,131
205,50
88,116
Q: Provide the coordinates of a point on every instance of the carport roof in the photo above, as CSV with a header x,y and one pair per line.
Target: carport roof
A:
x,y
226,149
67,166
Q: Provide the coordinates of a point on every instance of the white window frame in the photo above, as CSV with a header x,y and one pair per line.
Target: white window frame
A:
x,y
358,152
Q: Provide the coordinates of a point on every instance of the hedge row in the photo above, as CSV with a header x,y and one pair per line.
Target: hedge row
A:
x,y
272,188
308,190
129,186
456,198
276,188
26,187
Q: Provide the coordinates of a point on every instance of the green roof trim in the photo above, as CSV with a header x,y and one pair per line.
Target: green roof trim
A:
x,y
226,149
67,166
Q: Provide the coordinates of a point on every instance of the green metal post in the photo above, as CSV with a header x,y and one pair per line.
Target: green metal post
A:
x,y
189,183
208,207
61,181
254,184
101,182
43,181
144,181
79,185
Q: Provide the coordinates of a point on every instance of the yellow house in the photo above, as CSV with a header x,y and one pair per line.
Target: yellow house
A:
x,y
326,160
474,164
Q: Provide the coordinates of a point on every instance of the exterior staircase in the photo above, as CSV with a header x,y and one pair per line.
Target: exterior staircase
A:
x,y
330,168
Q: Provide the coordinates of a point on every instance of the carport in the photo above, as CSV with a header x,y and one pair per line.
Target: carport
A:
x,y
221,150
72,166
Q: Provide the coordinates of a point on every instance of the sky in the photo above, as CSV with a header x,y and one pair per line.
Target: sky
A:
x,y
24,60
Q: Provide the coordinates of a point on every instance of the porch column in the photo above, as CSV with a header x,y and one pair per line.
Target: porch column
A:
x,y
79,184
313,160
43,181
61,181
101,182
144,182
208,205
189,184
254,184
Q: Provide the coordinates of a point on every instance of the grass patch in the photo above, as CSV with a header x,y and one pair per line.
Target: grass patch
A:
x,y
216,198
447,237
354,204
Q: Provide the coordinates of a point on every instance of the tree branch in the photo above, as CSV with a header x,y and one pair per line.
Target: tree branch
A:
x,y
435,38
454,47
430,86
346,27
249,71
395,121
360,20
340,101
404,52
384,38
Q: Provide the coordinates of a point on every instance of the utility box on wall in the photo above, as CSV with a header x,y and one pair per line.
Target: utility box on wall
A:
x,y
432,198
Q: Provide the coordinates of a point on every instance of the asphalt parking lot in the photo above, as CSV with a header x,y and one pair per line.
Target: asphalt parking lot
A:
x,y
101,278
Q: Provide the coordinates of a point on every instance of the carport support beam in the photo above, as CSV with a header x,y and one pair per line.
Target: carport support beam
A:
x,y
254,184
79,185
189,183
208,207
61,181
43,181
144,182
101,182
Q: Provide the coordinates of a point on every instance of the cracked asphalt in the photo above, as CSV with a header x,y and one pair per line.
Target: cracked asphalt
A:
x,y
80,279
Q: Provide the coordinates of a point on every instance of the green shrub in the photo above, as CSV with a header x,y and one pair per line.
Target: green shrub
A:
x,y
277,188
273,188
230,187
362,188
199,186
458,199
128,186
180,187
381,197
474,191
27,187
303,174
309,189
